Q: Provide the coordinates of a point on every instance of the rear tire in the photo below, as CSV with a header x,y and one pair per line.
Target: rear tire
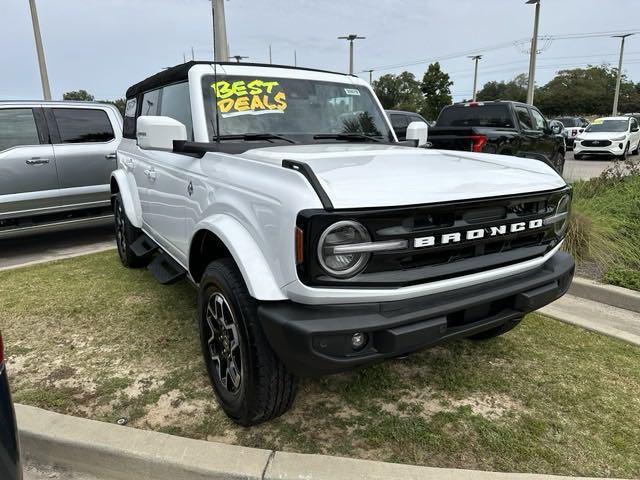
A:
x,y
497,331
126,234
250,382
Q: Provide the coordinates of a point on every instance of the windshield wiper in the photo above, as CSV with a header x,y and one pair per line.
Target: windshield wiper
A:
x,y
346,136
256,136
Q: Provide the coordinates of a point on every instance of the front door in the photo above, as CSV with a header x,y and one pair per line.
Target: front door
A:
x,y
28,176
544,143
84,144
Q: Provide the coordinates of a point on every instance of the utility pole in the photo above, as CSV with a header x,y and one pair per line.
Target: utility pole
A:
x,y
44,77
476,59
220,43
617,95
534,52
270,57
193,54
351,38
370,76
295,58
238,58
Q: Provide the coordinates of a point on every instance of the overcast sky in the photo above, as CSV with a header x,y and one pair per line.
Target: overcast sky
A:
x,y
105,46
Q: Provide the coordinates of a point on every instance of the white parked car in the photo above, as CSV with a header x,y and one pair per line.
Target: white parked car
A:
x,y
318,243
618,136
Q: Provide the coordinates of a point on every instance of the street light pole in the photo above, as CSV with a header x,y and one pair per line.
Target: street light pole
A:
x,y
370,76
619,80
534,52
476,59
220,43
351,38
44,77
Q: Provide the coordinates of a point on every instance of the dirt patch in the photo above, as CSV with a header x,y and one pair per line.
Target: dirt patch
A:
x,y
174,409
491,406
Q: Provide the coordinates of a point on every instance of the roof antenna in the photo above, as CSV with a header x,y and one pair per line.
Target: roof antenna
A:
x,y
215,77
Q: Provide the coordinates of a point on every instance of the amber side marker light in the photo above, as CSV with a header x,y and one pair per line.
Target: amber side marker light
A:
x,y
299,246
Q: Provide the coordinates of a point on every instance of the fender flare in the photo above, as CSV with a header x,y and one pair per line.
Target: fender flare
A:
x,y
129,194
247,254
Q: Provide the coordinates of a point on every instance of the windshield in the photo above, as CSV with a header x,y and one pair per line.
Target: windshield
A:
x,y
608,126
476,116
570,122
291,107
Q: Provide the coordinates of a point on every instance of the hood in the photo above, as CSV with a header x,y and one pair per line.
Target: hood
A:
x,y
601,135
366,175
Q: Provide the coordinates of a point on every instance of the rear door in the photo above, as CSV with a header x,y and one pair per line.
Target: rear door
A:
x,y
28,176
84,140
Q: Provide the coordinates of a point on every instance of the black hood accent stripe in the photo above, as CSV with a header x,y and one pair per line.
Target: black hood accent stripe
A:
x,y
307,172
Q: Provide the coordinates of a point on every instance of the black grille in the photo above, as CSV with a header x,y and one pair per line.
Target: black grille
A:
x,y
418,265
596,143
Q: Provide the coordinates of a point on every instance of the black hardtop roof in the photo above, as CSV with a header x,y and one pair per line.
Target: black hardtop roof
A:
x,y
180,73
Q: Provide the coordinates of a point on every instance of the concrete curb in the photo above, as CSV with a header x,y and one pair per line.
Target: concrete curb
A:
x,y
54,258
112,452
607,294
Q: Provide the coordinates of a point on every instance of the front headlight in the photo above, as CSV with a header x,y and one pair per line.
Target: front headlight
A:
x,y
619,139
562,215
343,265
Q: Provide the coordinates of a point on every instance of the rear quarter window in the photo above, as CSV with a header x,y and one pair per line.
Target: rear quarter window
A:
x,y
77,125
497,116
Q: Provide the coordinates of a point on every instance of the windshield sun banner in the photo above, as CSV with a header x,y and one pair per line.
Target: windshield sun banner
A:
x,y
253,97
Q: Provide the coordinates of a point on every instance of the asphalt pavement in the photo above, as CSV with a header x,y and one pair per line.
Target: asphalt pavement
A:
x,y
584,169
45,247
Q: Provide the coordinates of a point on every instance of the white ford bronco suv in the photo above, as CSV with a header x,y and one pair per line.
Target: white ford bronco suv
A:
x,y
317,241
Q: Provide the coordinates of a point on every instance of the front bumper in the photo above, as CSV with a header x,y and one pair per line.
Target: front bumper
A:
x,y
316,339
613,149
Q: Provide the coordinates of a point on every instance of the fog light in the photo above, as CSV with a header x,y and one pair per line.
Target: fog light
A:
x,y
358,340
620,146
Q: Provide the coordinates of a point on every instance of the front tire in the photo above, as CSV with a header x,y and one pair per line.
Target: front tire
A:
x,y
497,331
250,382
126,234
577,156
558,162
624,155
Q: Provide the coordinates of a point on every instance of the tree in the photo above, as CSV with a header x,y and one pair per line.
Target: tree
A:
x,y
515,90
399,92
78,95
587,91
119,103
436,91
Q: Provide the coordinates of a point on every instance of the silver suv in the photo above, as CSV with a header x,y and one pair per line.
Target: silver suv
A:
x,y
55,162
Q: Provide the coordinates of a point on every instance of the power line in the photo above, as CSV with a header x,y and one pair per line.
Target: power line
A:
x,y
499,46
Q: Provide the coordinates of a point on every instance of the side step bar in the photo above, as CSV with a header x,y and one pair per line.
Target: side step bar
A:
x,y
166,270
144,246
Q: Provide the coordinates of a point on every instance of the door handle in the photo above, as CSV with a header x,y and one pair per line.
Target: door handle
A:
x,y
151,174
111,156
37,161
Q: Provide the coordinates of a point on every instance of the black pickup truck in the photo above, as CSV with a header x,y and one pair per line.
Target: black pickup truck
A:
x,y
502,127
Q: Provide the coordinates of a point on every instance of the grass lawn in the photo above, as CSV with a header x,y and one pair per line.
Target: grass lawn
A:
x,y
89,338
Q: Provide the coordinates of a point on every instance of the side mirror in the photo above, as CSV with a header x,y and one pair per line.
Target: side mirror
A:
x,y
418,131
556,129
635,129
158,133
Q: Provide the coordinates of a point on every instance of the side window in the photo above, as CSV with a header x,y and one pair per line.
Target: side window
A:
x,y
78,125
398,121
129,123
524,118
175,104
17,127
150,103
634,124
540,122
